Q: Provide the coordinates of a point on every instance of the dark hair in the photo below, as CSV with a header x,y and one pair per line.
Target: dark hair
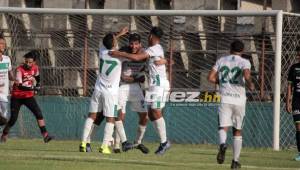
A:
x,y
237,46
157,32
108,41
134,37
32,54
1,35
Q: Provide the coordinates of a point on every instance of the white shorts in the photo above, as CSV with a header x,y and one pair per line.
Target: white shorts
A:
x,y
4,110
231,115
105,101
132,94
157,96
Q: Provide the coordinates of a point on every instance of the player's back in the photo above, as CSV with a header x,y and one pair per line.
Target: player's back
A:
x,y
109,72
231,80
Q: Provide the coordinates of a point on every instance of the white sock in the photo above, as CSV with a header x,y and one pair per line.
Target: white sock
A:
x,y
121,131
117,140
92,132
237,147
108,132
160,127
87,129
140,134
222,136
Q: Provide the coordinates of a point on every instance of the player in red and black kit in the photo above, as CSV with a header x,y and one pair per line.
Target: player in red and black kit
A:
x,y
24,88
294,107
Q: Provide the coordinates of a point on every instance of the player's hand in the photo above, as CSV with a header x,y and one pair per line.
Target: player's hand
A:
x,y
139,78
251,86
122,32
288,108
115,53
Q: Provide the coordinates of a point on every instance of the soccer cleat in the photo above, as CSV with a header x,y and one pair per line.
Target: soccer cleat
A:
x,y
163,147
297,158
4,138
221,153
235,165
127,146
88,147
48,138
117,150
142,148
104,149
82,147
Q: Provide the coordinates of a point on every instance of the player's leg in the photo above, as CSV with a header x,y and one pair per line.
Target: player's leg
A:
x,y
143,119
4,117
110,111
121,117
124,96
225,121
15,105
32,105
94,108
158,94
137,104
297,125
238,123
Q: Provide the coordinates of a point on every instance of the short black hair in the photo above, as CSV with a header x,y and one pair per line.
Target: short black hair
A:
x,y
108,41
156,31
32,54
1,35
134,37
237,46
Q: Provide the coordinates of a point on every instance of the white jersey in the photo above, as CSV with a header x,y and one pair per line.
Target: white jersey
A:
x,y
5,66
231,80
109,72
157,73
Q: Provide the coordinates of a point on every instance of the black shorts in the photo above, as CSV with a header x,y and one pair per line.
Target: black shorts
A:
x,y
30,103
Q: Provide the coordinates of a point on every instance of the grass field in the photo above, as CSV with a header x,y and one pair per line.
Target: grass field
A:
x,y
34,154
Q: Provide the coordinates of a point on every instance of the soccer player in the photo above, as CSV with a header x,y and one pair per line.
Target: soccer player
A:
x,y
294,107
158,83
131,92
105,95
23,94
94,118
232,73
5,75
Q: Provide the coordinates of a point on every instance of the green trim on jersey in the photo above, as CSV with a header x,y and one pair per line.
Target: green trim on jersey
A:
x,y
4,66
157,78
116,111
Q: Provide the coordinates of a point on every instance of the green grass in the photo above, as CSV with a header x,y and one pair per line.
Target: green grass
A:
x,y
34,154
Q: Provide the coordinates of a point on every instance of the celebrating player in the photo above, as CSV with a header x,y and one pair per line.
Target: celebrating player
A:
x,y
105,95
131,92
158,83
294,107
5,75
23,94
231,72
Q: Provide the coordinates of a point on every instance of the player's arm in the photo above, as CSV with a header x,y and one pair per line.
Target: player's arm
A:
x,y
122,32
161,61
289,89
134,57
19,82
288,106
11,75
127,79
212,76
248,79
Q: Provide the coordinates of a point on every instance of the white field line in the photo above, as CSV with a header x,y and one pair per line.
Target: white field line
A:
x,y
94,158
